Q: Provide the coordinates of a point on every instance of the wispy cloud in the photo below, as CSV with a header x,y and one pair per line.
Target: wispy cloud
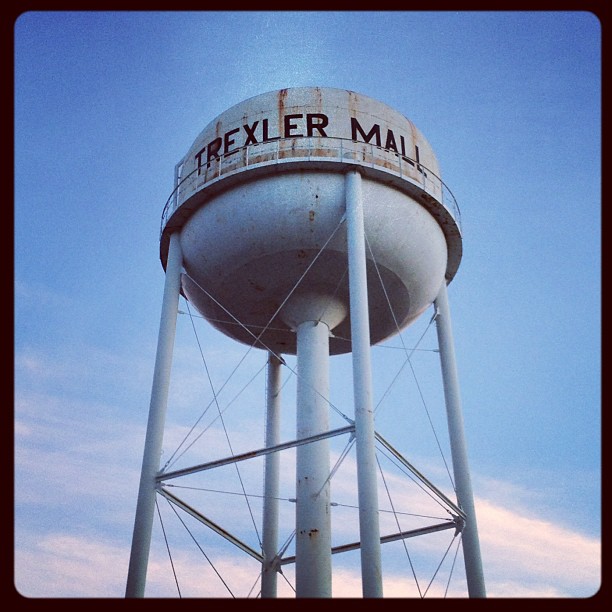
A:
x,y
77,469
69,565
537,553
523,555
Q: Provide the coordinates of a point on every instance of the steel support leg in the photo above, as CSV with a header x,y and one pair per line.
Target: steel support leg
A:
x,y
269,572
465,497
369,528
145,508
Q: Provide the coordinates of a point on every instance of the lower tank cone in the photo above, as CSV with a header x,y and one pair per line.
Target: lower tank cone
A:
x,y
247,249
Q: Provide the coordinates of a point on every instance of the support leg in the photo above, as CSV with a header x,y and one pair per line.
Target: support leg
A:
x,y
269,573
362,384
465,497
145,508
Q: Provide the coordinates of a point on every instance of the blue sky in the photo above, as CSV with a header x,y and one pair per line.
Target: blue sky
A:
x,y
106,103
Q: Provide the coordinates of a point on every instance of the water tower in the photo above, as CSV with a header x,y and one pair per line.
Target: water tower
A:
x,y
311,222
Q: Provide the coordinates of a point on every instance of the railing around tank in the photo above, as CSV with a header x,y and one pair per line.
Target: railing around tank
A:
x,y
311,149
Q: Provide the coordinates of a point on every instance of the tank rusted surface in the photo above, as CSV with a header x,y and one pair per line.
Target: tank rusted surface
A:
x,y
262,189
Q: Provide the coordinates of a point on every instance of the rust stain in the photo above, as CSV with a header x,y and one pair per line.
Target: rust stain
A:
x,y
312,532
318,103
282,97
245,153
413,134
353,104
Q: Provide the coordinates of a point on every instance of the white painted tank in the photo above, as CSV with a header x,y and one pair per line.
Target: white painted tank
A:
x,y
260,201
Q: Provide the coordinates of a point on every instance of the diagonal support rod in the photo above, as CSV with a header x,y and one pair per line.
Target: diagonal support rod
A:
x,y
420,476
212,525
162,477
402,535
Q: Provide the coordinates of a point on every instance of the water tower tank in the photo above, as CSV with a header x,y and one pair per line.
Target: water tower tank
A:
x,y
260,201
